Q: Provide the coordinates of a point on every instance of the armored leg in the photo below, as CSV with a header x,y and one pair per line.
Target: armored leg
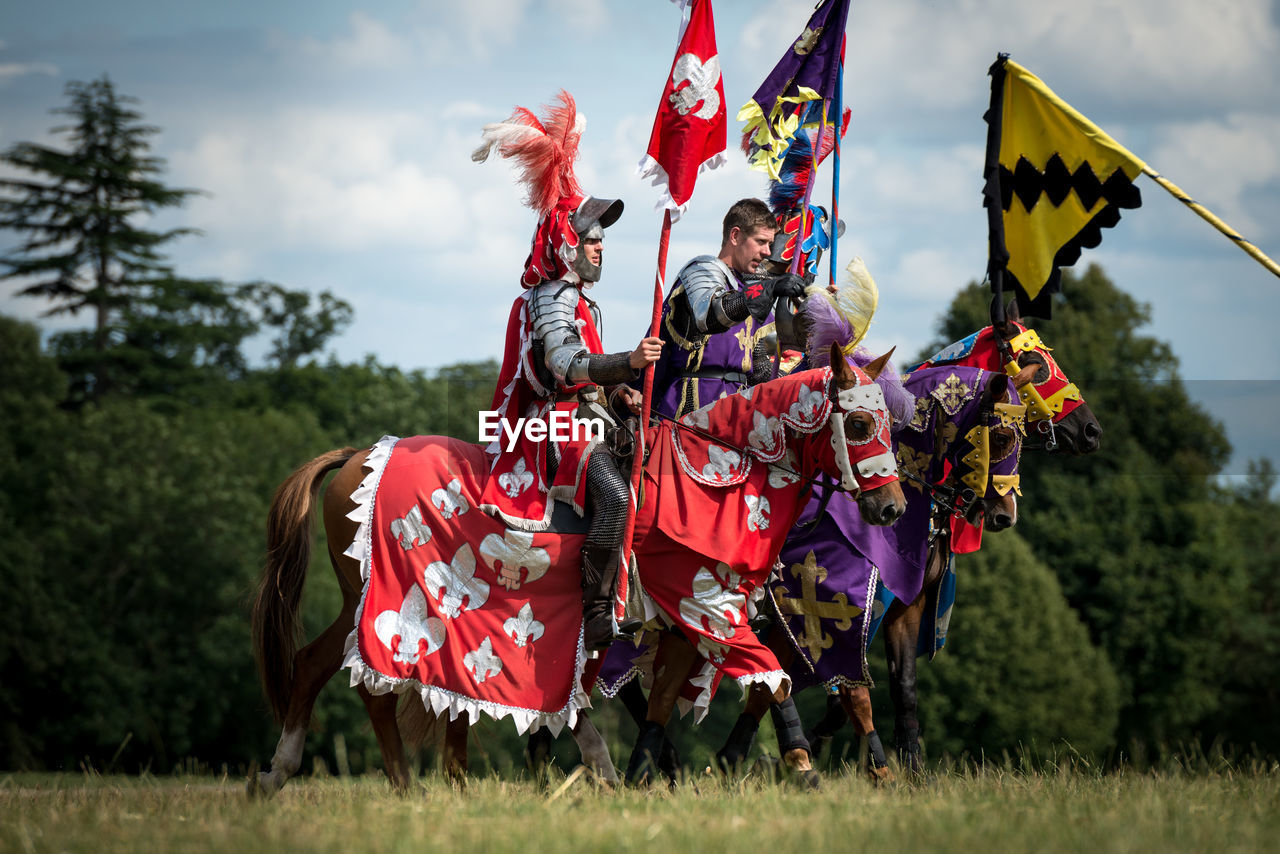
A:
x,y
608,496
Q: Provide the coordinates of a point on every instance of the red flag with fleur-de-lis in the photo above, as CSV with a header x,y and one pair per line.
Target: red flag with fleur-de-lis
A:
x,y
691,128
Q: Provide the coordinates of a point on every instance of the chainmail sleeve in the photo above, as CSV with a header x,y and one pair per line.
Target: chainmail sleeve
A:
x,y
761,363
728,312
610,369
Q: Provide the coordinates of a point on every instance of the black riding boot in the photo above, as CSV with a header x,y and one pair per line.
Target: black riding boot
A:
x,y
599,574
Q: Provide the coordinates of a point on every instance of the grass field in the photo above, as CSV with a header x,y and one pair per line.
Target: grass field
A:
x,y
977,812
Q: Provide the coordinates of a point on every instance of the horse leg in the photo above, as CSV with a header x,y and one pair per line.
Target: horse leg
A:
x,y
382,714
313,666
792,743
678,657
537,753
637,705
855,702
455,751
832,721
902,633
737,746
595,753
731,756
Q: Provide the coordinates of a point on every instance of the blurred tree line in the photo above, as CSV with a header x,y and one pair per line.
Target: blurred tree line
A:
x,y
1132,609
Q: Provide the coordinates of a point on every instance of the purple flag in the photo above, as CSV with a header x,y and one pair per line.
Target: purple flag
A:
x,y
808,71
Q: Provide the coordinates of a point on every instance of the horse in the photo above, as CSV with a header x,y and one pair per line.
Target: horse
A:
x,y
697,481
1061,421
1057,414
964,438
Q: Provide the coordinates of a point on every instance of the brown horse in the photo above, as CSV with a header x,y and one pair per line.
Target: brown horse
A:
x,y
846,405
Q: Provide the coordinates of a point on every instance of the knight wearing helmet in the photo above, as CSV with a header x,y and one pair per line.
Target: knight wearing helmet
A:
x,y
554,361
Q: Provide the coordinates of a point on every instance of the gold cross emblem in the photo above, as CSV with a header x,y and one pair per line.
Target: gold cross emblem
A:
x,y
748,340
813,638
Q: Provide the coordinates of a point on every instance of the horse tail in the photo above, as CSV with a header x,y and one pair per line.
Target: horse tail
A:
x,y
277,627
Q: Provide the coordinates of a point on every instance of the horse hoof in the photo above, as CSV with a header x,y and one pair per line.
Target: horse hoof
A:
x,y
730,762
669,761
809,779
880,776
643,764
258,788
769,767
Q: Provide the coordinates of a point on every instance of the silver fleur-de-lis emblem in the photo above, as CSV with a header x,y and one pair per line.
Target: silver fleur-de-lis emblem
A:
x,y
411,625
450,499
512,552
723,463
808,404
523,628
702,78
517,480
411,530
699,418
719,605
764,432
757,512
783,472
747,391
455,582
482,662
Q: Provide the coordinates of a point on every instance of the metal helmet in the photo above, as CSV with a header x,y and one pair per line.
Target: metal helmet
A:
x,y
590,220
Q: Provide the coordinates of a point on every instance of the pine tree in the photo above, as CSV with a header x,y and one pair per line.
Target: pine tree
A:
x,y
155,334
80,210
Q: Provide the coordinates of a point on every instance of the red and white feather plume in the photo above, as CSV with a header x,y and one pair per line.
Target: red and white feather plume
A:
x,y
544,149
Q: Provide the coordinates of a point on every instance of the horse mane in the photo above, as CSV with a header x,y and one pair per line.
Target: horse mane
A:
x,y
828,326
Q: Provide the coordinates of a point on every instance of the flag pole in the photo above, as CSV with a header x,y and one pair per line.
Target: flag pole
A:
x,y
1213,220
835,163
637,461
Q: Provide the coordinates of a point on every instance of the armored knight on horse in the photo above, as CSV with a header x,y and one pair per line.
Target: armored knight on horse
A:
x,y
553,359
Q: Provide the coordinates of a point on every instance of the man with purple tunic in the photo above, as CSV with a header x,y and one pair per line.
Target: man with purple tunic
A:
x,y
718,315
717,324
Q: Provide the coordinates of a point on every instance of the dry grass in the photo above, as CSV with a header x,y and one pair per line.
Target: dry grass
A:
x,y
974,812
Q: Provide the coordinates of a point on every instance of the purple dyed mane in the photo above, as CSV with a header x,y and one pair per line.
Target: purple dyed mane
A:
x,y
828,326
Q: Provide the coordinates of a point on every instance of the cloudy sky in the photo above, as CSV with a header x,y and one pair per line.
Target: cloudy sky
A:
x,y
332,140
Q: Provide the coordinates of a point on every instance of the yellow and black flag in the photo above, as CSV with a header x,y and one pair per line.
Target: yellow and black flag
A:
x,y
1054,180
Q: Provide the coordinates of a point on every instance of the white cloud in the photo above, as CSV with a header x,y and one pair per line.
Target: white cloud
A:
x,y
1217,162
334,179
12,70
925,273
921,56
589,16
369,44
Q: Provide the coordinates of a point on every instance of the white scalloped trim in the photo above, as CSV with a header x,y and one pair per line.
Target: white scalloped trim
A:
x,y
363,496
701,703
437,700
771,679
652,169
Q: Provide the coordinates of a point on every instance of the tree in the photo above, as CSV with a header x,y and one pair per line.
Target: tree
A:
x,y
84,248
1018,670
155,333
